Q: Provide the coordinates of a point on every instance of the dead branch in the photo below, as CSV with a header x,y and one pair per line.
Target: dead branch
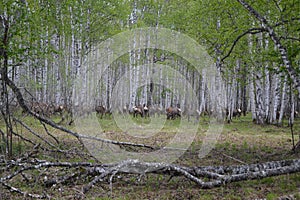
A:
x,y
26,139
235,42
33,132
25,194
235,159
203,176
48,133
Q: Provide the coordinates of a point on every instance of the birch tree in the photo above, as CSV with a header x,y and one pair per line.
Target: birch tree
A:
x,y
275,38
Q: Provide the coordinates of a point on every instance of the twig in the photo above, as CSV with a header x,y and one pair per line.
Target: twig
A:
x,y
34,133
242,162
52,136
27,140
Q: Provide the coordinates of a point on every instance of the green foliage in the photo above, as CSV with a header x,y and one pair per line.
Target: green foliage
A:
x,y
214,24
34,23
199,19
271,196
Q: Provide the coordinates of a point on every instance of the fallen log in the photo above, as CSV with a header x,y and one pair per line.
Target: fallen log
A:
x,y
205,177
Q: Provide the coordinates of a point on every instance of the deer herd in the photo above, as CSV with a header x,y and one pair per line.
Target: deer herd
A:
x,y
142,111
137,111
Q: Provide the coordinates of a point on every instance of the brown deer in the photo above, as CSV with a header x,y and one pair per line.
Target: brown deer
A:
x,y
173,113
101,110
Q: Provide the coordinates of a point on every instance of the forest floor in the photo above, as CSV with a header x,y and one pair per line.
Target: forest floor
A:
x,y
241,142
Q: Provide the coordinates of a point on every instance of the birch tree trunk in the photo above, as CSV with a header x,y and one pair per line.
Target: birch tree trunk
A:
x,y
266,92
244,88
260,114
283,99
292,110
202,91
252,95
274,98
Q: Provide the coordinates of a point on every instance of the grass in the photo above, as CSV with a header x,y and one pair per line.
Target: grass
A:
x,y
240,142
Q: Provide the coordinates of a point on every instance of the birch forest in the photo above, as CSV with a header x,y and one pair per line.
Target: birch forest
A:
x,y
53,73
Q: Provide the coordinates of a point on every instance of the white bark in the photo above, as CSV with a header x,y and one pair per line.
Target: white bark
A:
x,y
292,109
202,91
274,98
267,92
283,100
252,96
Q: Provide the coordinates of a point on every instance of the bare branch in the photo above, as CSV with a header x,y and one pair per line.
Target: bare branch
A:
x,y
34,133
250,31
52,136
242,162
25,139
277,5
25,194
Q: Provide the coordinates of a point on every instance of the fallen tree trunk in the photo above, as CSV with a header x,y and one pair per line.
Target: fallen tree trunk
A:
x,y
204,176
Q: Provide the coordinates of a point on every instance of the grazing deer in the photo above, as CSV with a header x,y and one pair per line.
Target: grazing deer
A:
x,y
142,110
101,110
173,113
138,110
